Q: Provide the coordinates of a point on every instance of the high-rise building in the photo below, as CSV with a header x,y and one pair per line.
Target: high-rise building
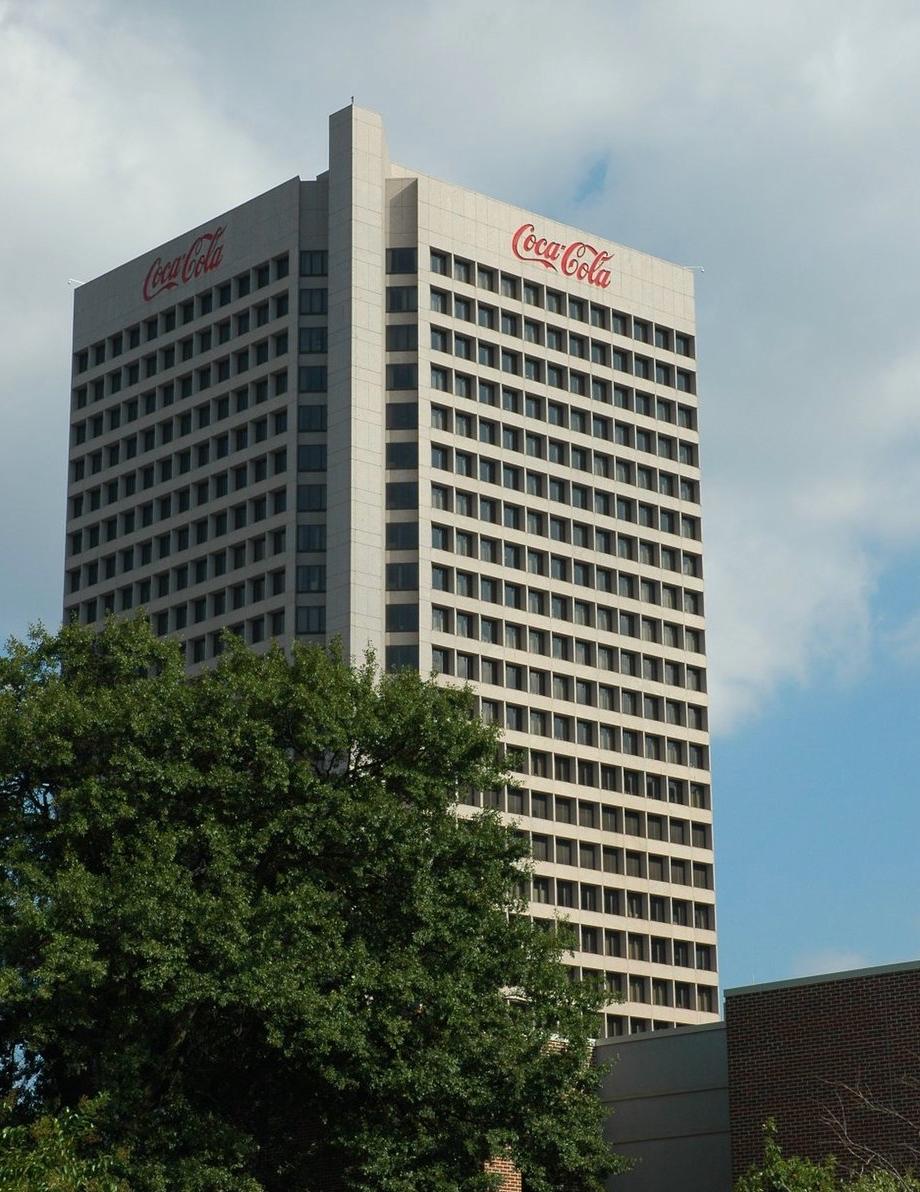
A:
x,y
382,407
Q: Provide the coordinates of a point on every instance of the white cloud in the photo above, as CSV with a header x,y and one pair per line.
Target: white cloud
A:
x,y
773,144
108,146
904,640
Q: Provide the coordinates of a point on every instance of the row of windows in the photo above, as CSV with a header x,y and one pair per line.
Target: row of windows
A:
x,y
608,858
404,495
197,571
538,602
686,997
179,463
403,618
201,378
578,383
256,629
588,813
403,455
537,368
536,445
260,628
557,413
184,350
145,514
634,986
552,487
535,561
171,504
561,768
609,942
470,667
252,472
192,612
214,409
584,692
186,312
624,434
556,302
558,768
636,946
315,263
610,738
631,904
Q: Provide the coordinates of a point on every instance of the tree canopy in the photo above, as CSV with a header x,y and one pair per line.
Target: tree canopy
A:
x,y
791,1173
242,912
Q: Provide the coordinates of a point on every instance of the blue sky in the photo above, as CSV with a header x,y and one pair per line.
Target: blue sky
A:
x,y
773,145
823,787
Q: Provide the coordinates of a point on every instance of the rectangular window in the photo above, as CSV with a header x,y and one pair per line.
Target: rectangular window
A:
x,y
311,498
311,457
311,578
402,416
311,620
402,298
403,495
313,263
402,376
402,618
401,577
312,339
312,379
313,301
402,337
402,260
402,455
311,538
311,418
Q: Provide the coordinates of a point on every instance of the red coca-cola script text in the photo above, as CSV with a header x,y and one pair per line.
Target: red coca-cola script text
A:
x,y
203,255
579,259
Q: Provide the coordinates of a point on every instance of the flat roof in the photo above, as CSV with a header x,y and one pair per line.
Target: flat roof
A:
x,y
823,978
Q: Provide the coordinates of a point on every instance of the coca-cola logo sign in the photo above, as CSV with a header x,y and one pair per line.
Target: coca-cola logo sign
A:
x,y
202,256
579,259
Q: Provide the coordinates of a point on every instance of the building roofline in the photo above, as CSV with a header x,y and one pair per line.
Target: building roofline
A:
x,y
404,171
691,1028
905,966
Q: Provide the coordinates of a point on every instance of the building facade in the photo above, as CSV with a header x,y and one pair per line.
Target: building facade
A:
x,y
384,408
832,1059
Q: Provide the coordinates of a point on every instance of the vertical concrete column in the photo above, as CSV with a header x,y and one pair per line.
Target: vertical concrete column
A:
x,y
357,289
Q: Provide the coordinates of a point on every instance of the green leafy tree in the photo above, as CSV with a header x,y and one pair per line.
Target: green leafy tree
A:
x,y
56,1154
782,1173
244,909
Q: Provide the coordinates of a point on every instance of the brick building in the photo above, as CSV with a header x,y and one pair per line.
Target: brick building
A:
x,y
690,1104
807,1052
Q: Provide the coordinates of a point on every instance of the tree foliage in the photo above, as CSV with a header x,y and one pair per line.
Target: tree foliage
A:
x,y
243,909
782,1173
57,1154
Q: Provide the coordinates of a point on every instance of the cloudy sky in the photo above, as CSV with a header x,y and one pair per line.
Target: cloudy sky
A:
x,y
775,145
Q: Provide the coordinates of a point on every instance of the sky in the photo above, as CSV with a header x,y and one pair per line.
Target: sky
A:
x,y
773,145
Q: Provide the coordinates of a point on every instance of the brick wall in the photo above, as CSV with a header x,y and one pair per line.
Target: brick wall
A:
x,y
512,1180
791,1048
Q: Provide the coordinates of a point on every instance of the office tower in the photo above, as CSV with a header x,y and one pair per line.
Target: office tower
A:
x,y
384,408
